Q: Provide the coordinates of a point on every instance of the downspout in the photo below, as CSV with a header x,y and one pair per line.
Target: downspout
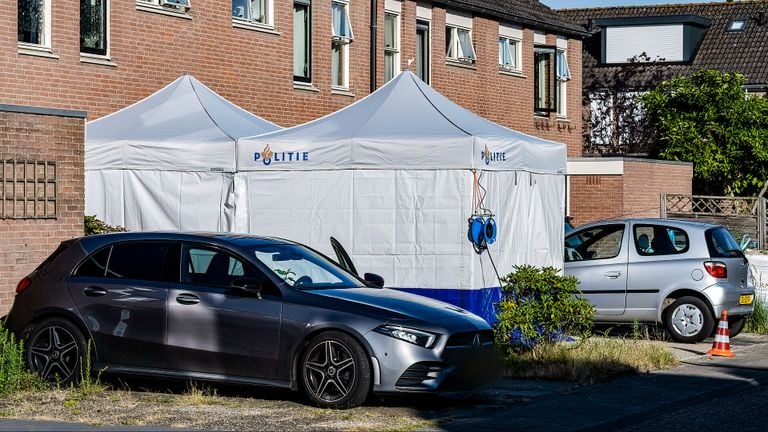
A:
x,y
374,19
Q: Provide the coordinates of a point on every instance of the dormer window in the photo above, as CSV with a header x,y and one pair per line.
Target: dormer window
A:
x,y
737,25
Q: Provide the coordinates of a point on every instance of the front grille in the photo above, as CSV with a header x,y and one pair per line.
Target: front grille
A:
x,y
418,373
467,339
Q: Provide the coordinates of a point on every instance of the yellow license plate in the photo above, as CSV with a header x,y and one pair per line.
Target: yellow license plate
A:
x,y
745,299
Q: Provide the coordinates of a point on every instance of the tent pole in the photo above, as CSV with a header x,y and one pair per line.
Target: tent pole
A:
x,y
374,19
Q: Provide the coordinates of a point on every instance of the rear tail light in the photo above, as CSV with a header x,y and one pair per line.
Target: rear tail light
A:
x,y
716,269
22,285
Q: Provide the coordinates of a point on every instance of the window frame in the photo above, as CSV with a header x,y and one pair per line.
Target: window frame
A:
x,y
394,51
561,106
168,273
454,40
307,79
341,42
517,56
425,63
584,244
550,50
269,15
45,39
106,28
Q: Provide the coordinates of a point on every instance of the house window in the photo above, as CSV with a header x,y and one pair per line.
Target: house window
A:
x,y
458,44
34,22
179,4
28,189
563,76
737,25
340,40
422,50
545,78
509,54
93,26
302,41
391,45
253,11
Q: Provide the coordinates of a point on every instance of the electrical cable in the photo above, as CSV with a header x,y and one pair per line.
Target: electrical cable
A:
x,y
494,268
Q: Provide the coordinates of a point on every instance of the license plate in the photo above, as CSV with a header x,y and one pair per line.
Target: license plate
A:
x,y
745,299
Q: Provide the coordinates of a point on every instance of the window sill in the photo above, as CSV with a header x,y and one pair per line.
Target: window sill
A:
x,y
148,7
513,73
36,51
96,60
305,87
458,64
248,25
342,92
562,119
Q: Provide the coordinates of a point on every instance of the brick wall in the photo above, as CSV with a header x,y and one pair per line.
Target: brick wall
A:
x,y
635,193
27,242
254,69
644,182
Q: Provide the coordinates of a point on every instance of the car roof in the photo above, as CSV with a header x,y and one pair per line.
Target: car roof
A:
x,y
674,222
236,239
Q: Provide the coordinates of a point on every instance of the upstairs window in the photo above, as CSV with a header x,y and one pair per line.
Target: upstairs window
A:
x,y
458,38
341,37
302,41
545,78
93,26
737,25
510,41
34,22
253,11
423,47
563,76
391,45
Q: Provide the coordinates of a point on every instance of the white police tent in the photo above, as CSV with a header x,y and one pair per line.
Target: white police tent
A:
x,y
395,178
167,161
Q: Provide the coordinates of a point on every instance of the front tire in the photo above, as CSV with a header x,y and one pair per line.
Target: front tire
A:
x,y
689,320
335,372
55,350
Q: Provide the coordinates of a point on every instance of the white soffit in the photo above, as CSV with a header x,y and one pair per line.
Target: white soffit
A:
x,y
595,167
392,6
657,41
424,11
458,19
511,31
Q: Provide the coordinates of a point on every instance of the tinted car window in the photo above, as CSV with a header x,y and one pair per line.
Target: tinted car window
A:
x,y
211,266
138,260
95,265
601,242
653,240
721,244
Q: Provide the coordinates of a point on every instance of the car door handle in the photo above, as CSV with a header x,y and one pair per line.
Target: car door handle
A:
x,y
188,299
93,291
612,274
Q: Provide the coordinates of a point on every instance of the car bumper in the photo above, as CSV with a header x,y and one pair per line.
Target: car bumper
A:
x,y
409,368
726,297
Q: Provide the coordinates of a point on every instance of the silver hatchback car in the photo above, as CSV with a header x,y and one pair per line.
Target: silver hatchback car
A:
x,y
679,273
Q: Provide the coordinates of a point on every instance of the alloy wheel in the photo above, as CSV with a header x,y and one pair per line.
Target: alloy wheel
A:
x,y
54,352
330,371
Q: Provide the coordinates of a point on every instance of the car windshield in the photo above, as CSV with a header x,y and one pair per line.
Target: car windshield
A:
x,y
303,268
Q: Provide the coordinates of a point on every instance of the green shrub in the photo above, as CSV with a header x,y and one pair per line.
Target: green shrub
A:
x,y
758,321
539,306
14,375
96,226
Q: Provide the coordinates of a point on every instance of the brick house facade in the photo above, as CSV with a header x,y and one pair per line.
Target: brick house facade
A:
x,y
31,228
251,64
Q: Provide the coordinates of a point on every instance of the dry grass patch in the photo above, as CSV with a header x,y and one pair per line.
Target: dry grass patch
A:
x,y
590,360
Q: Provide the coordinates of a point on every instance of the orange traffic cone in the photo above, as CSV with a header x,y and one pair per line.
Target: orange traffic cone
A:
x,y
722,344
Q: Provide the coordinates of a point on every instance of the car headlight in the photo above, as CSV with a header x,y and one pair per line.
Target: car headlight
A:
x,y
410,335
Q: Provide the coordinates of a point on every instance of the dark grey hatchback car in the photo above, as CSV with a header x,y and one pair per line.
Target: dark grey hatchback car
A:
x,y
242,309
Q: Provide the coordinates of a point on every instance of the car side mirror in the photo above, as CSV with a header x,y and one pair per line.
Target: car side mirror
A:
x,y
374,279
248,286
